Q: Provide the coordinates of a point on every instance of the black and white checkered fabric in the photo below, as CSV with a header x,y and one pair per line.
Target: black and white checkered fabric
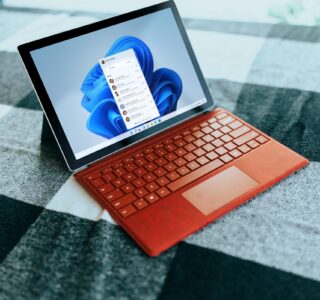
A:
x,y
56,242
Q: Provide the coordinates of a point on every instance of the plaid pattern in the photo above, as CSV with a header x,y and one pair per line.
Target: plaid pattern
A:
x,y
57,242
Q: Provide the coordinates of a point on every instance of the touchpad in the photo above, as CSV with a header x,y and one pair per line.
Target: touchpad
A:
x,y
219,190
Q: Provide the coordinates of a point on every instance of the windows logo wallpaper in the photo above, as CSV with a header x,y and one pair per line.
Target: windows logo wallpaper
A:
x,y
105,118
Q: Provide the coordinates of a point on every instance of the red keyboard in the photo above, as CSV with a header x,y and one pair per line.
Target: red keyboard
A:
x,y
152,173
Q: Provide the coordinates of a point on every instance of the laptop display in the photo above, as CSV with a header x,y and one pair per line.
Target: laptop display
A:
x,y
116,82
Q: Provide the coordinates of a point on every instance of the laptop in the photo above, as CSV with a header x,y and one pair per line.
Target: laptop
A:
x,y
135,122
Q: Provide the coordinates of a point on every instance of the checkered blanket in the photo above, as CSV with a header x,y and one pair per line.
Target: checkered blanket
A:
x,y
56,242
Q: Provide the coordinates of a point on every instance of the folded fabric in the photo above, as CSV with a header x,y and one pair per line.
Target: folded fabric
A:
x,y
105,118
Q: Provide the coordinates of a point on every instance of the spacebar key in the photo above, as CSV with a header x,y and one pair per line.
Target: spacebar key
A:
x,y
182,181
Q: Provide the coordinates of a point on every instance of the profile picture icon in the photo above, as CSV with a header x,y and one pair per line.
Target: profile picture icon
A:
x,y
111,80
124,112
127,119
122,106
114,87
117,94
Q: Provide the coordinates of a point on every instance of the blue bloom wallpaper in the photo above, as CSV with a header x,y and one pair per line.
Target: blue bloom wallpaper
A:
x,y
105,118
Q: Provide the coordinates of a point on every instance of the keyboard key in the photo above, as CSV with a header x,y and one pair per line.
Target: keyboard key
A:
x,y
212,155
215,125
190,157
162,181
127,211
97,182
226,158
108,177
128,188
152,186
208,138
183,170
105,188
148,150
217,143
226,138
198,134
189,138
235,124
150,166
170,147
240,131
127,160
226,120
199,152
140,161
161,161
221,116
167,141
162,192
208,147
190,147
235,153
118,182
149,177
180,143
141,192
225,129
140,171
195,128
173,175
152,197
117,165
180,162
221,150
245,138
130,166
138,155
119,171
202,160
106,170
123,201
230,146
171,156
161,152
177,137
115,194
216,134
212,120
157,146
193,165
140,204
160,172
151,156
186,132
203,124
261,139
129,177
194,175
244,148
170,167
180,152
206,129
93,175
199,142
139,182
253,144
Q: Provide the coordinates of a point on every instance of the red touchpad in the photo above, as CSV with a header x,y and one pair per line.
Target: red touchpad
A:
x,y
220,189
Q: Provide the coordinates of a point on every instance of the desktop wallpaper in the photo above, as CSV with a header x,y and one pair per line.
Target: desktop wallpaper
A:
x,y
71,76
105,118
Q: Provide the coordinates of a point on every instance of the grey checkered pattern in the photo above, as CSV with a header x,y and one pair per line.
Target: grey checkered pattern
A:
x,y
65,254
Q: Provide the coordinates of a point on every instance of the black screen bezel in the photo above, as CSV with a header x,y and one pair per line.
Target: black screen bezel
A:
x,y
73,163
